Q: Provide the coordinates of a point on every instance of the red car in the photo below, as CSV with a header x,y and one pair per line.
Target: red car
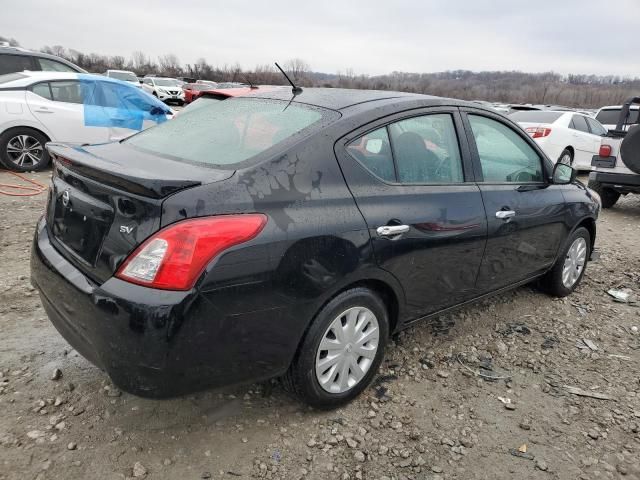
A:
x,y
192,91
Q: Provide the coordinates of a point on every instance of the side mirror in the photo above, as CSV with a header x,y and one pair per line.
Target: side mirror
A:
x,y
563,174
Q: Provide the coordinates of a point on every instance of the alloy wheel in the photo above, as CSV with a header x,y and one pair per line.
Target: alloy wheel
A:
x,y
24,151
347,350
574,262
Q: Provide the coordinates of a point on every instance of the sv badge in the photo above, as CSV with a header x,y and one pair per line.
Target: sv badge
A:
x,y
126,229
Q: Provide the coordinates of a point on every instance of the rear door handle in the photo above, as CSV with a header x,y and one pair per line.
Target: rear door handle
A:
x,y
505,214
44,111
392,230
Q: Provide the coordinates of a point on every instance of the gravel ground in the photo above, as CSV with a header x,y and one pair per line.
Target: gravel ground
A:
x,y
426,417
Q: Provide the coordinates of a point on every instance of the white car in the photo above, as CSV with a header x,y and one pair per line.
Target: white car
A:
x,y
608,116
166,89
125,76
567,137
39,107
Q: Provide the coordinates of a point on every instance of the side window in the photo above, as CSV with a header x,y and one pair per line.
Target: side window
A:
x,y
595,127
373,151
579,123
426,150
14,63
67,91
505,157
43,90
147,81
47,65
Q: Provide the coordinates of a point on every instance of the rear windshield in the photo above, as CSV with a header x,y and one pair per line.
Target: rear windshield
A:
x,y
227,132
533,116
611,115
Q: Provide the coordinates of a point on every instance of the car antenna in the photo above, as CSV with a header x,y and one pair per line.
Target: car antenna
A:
x,y
294,89
251,85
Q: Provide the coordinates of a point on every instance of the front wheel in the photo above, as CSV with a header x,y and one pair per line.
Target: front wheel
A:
x,y
567,272
341,351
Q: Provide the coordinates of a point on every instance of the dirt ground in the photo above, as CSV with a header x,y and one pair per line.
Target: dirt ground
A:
x,y
426,417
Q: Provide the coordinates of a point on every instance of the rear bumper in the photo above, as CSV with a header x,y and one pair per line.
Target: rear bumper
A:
x,y
617,181
152,343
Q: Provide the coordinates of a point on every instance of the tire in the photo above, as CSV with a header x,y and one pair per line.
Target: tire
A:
x,y
609,196
302,378
566,157
553,281
23,149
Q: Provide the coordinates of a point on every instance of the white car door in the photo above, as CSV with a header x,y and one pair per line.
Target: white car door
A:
x,y
582,140
58,105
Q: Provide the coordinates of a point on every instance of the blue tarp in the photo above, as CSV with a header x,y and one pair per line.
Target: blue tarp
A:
x,y
113,103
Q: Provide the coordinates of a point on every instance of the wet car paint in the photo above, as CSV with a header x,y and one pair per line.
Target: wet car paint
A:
x,y
247,314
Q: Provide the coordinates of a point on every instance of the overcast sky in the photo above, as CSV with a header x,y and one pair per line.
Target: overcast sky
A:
x,y
371,37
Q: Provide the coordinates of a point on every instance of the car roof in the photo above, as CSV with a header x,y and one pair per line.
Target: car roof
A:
x,y
342,98
619,107
116,70
29,78
31,53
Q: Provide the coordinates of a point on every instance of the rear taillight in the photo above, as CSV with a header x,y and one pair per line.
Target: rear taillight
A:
x,y
605,151
538,132
175,257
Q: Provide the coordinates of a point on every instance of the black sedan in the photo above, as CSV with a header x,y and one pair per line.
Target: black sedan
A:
x,y
291,235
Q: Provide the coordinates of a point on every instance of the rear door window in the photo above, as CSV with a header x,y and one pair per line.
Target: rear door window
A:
x,y
505,157
579,123
43,90
373,151
67,91
15,63
426,150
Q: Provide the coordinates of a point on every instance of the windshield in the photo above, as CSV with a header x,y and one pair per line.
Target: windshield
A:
x,y
610,116
535,116
126,76
165,82
230,131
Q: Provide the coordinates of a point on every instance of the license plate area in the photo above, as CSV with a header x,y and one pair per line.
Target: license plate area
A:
x,y
79,222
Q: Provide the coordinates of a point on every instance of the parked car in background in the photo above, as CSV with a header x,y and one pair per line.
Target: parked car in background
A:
x,y
187,79
16,59
208,82
166,89
568,137
616,168
125,76
609,116
39,107
192,91
253,237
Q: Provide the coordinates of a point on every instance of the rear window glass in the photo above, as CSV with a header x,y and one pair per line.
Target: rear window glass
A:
x,y
610,116
533,116
14,63
230,131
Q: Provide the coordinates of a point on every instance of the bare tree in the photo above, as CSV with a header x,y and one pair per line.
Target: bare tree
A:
x,y
169,65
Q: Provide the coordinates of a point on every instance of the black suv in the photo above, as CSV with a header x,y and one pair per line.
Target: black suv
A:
x,y
15,59
292,234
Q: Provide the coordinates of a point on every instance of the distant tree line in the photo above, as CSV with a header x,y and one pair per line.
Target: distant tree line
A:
x,y
549,88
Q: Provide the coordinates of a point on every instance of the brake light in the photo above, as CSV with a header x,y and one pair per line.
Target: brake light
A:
x,y
605,151
538,132
175,257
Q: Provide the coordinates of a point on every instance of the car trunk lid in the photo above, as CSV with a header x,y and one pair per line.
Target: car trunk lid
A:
x,y
107,199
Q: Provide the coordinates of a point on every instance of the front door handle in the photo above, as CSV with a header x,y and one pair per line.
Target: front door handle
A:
x,y
505,214
392,230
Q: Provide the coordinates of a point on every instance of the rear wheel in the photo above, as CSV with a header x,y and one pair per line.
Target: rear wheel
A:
x,y
608,196
570,266
341,351
566,157
22,149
